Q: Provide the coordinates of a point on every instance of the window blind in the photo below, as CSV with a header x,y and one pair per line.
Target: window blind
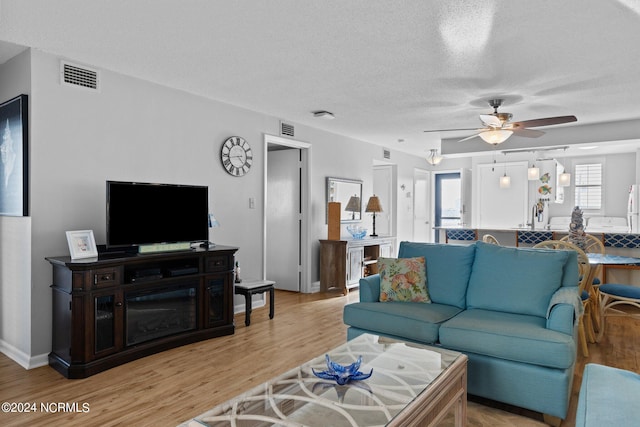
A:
x,y
588,186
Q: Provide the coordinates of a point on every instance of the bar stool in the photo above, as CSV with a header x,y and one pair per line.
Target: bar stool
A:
x,y
461,234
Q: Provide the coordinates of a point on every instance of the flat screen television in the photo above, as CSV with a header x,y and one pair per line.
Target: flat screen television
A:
x,y
143,213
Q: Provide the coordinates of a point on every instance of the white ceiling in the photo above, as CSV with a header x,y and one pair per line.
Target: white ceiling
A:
x,y
387,69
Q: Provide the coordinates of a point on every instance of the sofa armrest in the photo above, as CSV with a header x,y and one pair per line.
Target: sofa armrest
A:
x,y
370,288
561,318
565,308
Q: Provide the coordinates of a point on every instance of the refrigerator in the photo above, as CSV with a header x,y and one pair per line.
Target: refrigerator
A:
x,y
633,213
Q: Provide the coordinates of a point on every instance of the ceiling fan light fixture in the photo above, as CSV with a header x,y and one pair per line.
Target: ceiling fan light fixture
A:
x,y
434,158
495,136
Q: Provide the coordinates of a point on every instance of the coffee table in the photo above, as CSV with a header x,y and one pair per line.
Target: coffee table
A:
x,y
411,385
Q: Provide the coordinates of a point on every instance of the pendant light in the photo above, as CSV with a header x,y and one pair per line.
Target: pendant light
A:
x,y
505,180
433,158
564,179
533,173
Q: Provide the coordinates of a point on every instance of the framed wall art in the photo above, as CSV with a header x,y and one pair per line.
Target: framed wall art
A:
x,y
82,244
14,186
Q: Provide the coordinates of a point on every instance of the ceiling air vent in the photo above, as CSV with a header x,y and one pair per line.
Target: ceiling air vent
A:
x,y
79,76
286,129
386,153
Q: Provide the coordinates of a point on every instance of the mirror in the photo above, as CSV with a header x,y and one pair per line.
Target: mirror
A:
x,y
342,190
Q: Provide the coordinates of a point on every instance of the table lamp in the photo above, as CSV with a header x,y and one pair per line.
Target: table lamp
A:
x,y
373,206
353,206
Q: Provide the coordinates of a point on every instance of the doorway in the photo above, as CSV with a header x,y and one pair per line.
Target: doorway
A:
x,y
286,257
448,200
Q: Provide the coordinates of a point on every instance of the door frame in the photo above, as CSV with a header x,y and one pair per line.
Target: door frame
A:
x,y
430,210
305,201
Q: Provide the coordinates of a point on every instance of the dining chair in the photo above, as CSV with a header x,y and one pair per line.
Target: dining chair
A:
x,y
488,238
593,245
461,234
613,295
585,328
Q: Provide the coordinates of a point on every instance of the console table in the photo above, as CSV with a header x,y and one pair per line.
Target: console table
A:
x,y
344,262
117,308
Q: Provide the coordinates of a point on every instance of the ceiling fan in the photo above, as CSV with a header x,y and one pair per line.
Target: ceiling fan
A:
x,y
498,128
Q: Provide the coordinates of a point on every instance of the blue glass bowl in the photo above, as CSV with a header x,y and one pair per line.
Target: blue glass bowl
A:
x,y
356,231
342,374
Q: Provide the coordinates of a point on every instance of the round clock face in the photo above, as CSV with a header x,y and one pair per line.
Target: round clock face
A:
x,y
236,156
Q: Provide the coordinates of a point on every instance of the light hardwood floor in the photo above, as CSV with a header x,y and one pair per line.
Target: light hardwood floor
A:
x,y
168,388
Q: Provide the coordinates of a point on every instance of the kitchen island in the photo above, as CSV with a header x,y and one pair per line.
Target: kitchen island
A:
x,y
615,243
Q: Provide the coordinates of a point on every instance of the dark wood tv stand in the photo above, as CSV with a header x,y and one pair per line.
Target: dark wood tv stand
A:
x,y
118,308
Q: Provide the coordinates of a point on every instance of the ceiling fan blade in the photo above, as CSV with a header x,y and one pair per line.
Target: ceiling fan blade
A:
x,y
469,137
451,130
544,122
528,133
490,120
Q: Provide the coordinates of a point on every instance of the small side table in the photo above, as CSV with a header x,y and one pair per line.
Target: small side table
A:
x,y
252,287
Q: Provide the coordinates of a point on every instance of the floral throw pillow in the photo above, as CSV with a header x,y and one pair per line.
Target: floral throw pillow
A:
x,y
403,279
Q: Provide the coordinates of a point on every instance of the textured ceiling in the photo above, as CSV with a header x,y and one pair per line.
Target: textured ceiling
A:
x,y
387,69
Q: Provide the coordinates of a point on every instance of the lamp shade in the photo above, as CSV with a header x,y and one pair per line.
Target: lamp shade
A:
x,y
496,136
373,205
564,180
353,206
533,173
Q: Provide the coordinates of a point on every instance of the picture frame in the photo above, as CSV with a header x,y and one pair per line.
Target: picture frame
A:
x,y
82,244
14,173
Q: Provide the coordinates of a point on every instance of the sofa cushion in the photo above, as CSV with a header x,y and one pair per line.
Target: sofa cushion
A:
x,y
608,397
403,280
448,269
515,337
411,320
515,280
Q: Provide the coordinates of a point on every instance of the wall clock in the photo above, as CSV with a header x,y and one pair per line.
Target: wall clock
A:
x,y
236,156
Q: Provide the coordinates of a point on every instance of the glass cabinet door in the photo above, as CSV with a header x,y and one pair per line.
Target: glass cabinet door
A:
x,y
107,311
216,311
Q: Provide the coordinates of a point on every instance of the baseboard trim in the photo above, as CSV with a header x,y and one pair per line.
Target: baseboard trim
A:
x,y
22,358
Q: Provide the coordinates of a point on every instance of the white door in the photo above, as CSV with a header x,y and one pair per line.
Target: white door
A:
x,y
383,188
283,219
421,202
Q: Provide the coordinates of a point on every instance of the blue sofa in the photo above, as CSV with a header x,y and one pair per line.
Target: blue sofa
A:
x,y
512,311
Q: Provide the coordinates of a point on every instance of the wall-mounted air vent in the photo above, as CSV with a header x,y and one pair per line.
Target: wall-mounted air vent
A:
x,y
386,153
79,76
286,129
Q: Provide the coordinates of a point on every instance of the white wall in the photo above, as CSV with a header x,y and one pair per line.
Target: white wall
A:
x,y
134,130
15,241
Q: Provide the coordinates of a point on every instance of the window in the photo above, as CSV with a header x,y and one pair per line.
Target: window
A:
x,y
589,186
448,196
